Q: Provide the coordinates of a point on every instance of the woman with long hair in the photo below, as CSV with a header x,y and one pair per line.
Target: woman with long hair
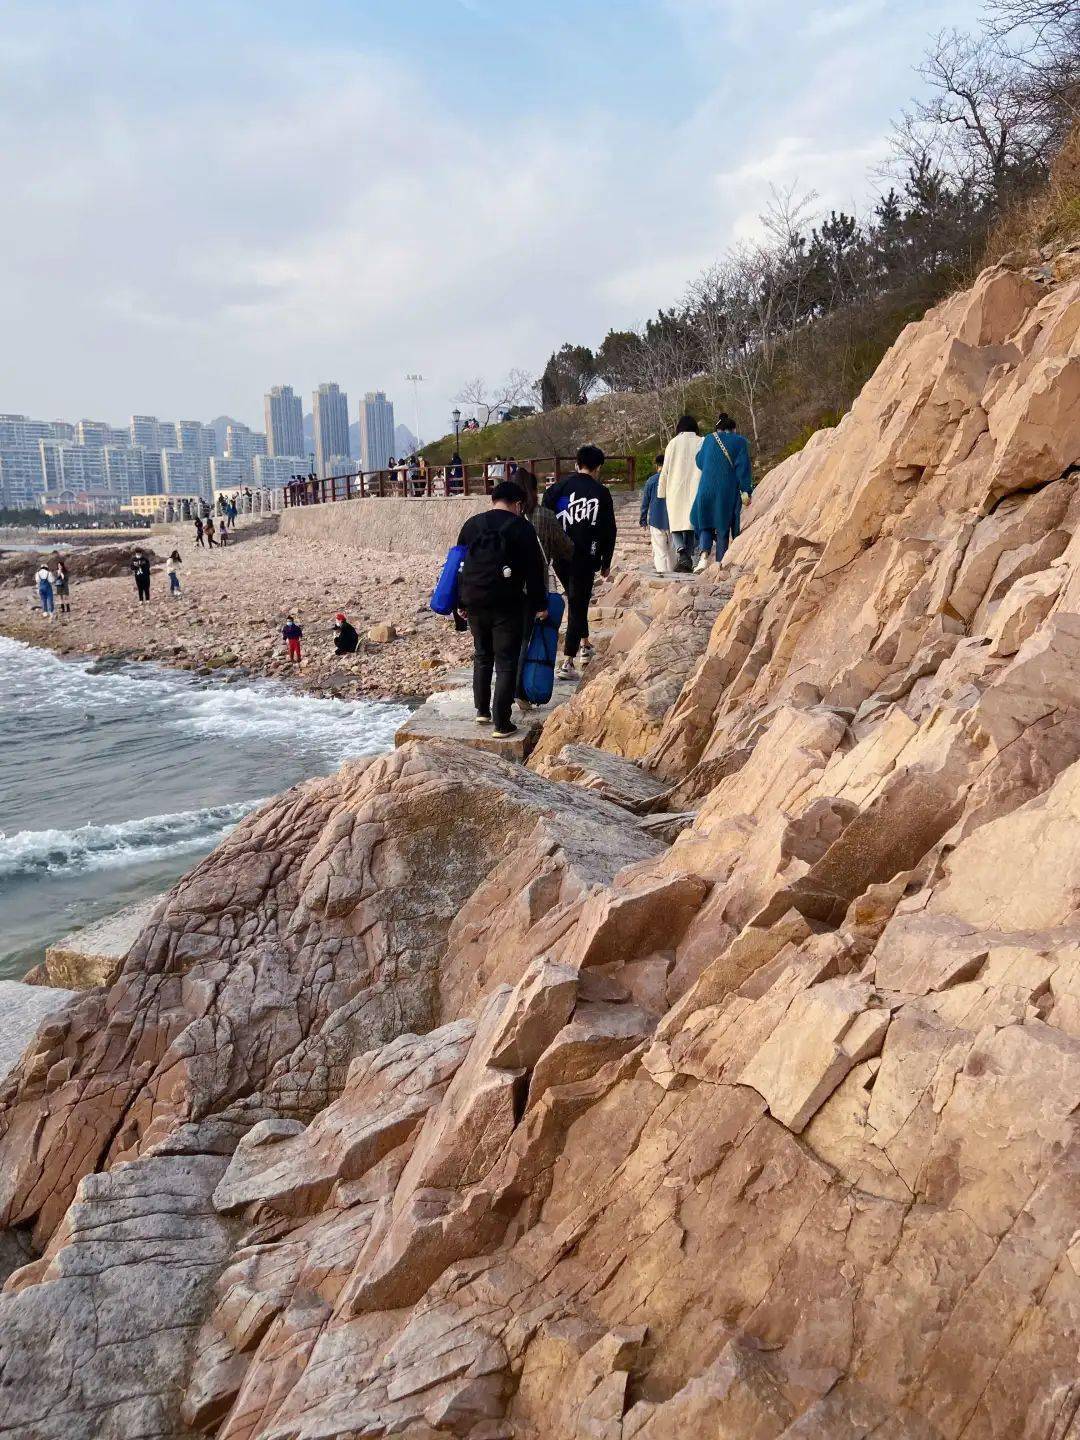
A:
x,y
724,458
679,477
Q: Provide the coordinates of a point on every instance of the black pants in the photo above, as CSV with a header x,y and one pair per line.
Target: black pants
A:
x,y
496,646
579,587
142,585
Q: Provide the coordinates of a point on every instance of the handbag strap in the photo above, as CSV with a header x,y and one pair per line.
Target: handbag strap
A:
x,y
723,447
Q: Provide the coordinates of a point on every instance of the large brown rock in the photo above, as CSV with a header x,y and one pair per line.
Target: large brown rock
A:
x,y
491,1115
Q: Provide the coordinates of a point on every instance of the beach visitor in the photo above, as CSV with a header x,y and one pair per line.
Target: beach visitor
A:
x,y
232,514
223,533
584,507
346,640
172,569
292,634
654,517
199,532
209,528
45,579
502,584
724,459
679,478
141,566
454,475
62,587
558,553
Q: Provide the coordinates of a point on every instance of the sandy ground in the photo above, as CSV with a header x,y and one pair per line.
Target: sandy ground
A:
x,y
233,604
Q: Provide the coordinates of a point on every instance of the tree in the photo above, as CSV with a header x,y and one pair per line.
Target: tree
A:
x,y
486,401
569,375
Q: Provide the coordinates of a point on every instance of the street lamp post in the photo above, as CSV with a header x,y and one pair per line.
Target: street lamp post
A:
x,y
455,415
416,381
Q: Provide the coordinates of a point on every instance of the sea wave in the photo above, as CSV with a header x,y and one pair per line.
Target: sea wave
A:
x,y
129,842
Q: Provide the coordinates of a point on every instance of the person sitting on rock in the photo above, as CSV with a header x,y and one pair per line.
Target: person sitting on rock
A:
x,y
292,634
346,639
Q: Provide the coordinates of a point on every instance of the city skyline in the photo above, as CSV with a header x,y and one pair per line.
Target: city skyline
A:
x,y
43,460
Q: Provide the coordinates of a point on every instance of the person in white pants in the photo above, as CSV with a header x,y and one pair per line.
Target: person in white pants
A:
x,y
654,515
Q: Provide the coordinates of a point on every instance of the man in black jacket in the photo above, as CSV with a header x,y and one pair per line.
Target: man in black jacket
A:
x,y
503,579
585,508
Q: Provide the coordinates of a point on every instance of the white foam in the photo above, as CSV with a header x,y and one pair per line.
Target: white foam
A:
x,y
130,842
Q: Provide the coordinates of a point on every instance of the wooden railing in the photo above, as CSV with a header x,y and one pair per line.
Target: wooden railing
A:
x,y
436,482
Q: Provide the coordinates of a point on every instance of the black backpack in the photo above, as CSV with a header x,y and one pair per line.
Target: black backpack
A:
x,y
483,583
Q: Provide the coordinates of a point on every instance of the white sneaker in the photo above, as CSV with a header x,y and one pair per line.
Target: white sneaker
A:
x,y
568,670
703,560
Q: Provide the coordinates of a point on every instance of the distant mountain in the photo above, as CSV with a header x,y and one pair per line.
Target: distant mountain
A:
x,y
404,440
219,425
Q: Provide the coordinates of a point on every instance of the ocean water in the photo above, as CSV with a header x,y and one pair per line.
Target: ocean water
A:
x,y
114,781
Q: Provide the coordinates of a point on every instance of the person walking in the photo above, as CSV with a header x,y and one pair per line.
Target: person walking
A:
x,y
557,550
292,634
199,533
232,513
209,528
654,517
502,582
679,479
223,533
63,587
583,505
726,476
45,579
346,640
172,569
141,566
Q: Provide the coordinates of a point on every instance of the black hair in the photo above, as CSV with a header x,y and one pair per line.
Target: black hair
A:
x,y
524,477
658,459
508,492
590,457
725,422
175,555
687,425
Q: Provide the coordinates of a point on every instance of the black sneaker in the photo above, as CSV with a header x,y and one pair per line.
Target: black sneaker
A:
x,y
511,729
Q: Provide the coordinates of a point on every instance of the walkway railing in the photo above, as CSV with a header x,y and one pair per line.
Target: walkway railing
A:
x,y
439,481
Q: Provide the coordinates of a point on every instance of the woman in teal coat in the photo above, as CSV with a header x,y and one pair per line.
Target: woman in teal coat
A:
x,y
724,462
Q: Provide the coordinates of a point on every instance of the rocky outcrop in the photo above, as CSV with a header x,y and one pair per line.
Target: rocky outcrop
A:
x,y
91,563
718,1075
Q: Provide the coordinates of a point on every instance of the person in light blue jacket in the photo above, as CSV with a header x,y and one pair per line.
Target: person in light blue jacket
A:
x,y
654,515
724,462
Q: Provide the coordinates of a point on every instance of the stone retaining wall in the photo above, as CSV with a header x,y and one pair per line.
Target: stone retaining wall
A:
x,y
408,527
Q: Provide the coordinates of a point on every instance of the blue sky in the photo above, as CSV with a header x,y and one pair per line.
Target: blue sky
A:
x,y
205,199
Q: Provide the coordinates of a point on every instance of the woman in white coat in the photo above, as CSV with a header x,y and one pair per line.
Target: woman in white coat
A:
x,y
679,480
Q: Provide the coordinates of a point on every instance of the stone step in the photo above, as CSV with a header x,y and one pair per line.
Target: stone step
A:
x,y
449,715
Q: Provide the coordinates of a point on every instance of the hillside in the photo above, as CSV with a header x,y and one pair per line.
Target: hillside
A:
x,y
716,1076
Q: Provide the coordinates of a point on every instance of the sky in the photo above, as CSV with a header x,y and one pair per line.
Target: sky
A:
x,y
209,197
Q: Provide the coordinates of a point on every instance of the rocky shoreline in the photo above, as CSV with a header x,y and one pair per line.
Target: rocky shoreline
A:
x,y
716,1073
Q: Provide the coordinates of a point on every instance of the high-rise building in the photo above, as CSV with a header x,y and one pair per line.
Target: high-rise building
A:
x,y
330,414
144,430
229,473
184,472
242,443
376,430
82,468
97,433
167,435
284,422
271,472
125,470
21,479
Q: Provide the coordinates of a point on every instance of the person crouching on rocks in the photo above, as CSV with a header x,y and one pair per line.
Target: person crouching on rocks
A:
x,y
292,634
345,637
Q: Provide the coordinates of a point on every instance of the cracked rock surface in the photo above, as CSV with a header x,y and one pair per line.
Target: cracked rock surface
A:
x,y
452,1098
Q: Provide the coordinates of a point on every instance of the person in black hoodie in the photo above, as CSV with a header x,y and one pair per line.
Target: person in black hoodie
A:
x,y
502,581
584,506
